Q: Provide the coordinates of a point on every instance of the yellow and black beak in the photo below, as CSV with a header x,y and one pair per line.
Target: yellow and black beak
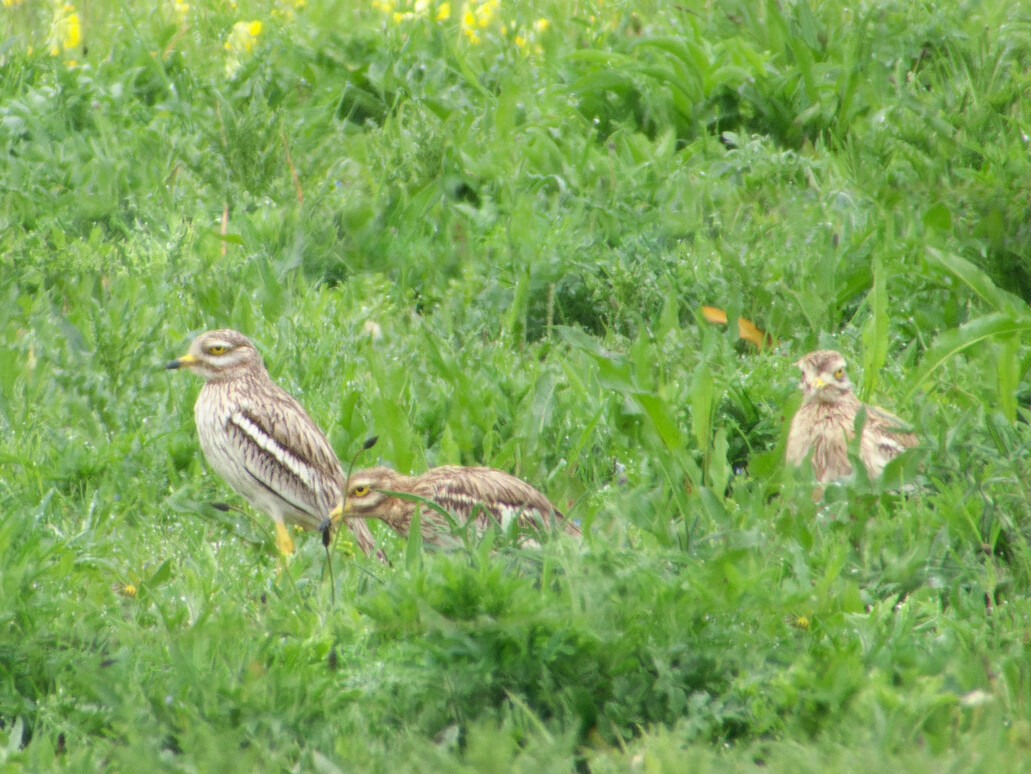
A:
x,y
329,522
185,361
338,511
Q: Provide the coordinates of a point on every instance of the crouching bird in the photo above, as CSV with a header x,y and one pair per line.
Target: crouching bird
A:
x,y
824,424
484,496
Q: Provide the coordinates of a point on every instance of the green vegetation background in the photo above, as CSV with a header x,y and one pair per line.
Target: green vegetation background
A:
x,y
485,233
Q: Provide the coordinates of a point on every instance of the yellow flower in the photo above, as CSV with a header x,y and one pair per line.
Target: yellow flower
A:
x,y
241,41
9,3
65,30
243,36
72,32
478,15
406,10
485,12
469,25
127,589
541,25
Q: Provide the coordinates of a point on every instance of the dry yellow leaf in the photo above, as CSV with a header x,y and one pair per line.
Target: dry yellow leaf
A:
x,y
745,329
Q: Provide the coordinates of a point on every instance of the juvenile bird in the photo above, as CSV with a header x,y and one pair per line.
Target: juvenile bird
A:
x,y
486,495
825,422
258,438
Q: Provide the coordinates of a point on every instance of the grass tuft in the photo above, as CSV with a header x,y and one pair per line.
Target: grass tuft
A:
x,y
484,233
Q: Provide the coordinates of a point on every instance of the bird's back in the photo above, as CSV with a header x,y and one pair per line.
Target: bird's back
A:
x,y
885,436
489,496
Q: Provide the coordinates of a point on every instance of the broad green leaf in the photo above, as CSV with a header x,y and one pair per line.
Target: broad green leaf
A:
x,y
717,467
161,575
613,369
702,401
576,337
1007,354
615,375
808,25
954,341
974,278
938,217
664,419
713,504
903,469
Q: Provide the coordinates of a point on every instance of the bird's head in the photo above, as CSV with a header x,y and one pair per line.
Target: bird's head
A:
x,y
367,491
219,354
824,377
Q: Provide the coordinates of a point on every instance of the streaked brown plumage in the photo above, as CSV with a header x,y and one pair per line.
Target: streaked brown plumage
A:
x,y
489,496
259,439
825,422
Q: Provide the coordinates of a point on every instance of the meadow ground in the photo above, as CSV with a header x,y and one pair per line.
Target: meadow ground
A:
x,y
484,232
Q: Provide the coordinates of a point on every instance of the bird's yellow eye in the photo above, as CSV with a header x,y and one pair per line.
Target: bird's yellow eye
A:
x,y
360,491
839,374
216,349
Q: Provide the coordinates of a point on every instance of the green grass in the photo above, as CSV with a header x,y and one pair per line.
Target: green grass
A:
x,y
533,222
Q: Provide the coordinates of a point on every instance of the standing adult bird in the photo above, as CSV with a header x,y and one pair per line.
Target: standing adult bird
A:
x,y
484,495
825,423
259,439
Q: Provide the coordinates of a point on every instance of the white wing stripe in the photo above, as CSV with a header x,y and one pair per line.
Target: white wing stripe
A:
x,y
269,444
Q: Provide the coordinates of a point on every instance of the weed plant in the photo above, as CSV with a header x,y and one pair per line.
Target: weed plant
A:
x,y
484,231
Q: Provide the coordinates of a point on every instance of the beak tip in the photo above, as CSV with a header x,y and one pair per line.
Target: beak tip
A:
x,y
186,361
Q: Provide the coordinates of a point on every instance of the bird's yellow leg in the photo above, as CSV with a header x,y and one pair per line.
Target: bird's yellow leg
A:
x,y
284,542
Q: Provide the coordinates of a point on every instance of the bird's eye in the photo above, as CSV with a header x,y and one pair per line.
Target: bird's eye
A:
x,y
839,374
216,349
360,491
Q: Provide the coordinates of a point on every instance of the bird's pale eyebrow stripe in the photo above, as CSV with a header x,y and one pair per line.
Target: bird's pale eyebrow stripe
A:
x,y
268,444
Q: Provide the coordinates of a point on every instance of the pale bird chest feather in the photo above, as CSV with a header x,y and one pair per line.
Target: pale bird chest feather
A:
x,y
240,449
824,431
211,412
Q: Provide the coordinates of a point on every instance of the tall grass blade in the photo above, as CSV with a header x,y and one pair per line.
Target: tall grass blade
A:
x,y
875,332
